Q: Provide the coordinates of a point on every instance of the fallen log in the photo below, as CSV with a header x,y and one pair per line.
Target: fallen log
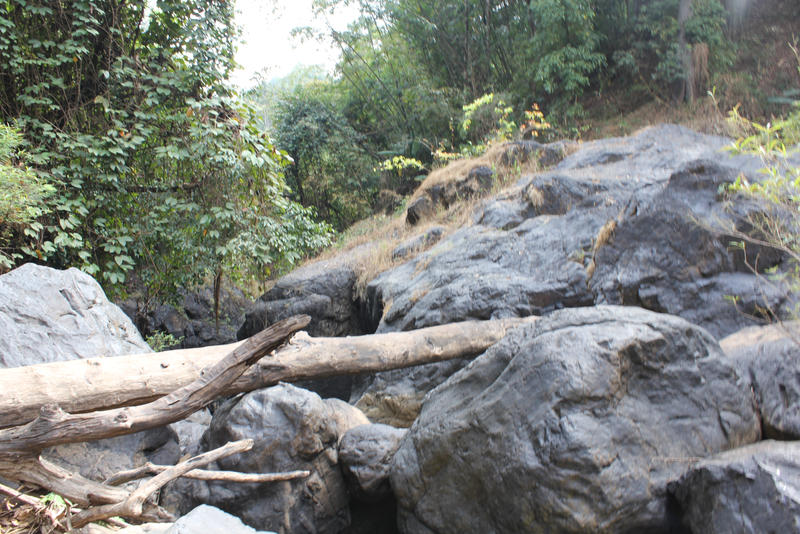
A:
x,y
103,383
20,446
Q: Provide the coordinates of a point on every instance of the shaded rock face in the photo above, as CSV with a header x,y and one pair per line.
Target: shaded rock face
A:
x,y
754,489
293,429
632,221
48,315
365,455
194,319
770,356
575,423
531,248
395,397
100,459
323,290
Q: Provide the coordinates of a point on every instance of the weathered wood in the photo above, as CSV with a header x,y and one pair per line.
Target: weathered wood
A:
x,y
199,474
20,446
53,426
133,505
92,384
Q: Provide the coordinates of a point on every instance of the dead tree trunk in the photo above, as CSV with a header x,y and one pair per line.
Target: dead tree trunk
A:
x,y
102,383
182,382
21,446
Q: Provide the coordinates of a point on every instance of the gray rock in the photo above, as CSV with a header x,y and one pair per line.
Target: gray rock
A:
x,y
754,489
190,431
47,315
575,423
411,246
209,520
635,221
546,155
365,455
293,429
665,254
100,459
323,290
770,355
419,209
395,397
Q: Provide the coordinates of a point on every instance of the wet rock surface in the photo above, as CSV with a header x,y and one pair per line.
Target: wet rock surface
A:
x,y
573,424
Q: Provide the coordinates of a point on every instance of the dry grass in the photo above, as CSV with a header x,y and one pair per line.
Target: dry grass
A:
x,y
492,158
703,115
535,197
604,236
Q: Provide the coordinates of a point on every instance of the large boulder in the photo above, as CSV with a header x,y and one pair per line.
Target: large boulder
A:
x,y
637,221
575,423
770,355
47,315
752,489
293,429
365,456
323,290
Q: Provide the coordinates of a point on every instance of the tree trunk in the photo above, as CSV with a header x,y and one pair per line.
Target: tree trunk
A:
x,y
20,446
104,383
686,88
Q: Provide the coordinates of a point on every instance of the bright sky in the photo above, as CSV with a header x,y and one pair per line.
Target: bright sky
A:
x,y
269,47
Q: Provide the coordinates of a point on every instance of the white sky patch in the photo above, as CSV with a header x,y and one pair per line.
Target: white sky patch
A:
x,y
268,47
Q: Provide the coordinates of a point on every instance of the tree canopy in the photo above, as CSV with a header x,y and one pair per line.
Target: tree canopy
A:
x,y
153,162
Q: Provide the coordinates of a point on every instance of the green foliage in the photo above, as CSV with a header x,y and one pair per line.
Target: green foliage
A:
x,y
23,196
156,165
487,118
648,43
777,222
332,171
160,341
567,45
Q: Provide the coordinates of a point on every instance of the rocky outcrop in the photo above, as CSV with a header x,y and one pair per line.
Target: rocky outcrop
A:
x,y
575,423
638,221
48,315
632,221
770,356
293,429
323,289
478,179
748,490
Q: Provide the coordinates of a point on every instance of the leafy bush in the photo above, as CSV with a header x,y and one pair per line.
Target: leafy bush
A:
x,y
157,166
23,196
776,224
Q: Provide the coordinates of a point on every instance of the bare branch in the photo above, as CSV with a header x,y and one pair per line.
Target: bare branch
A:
x,y
201,474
